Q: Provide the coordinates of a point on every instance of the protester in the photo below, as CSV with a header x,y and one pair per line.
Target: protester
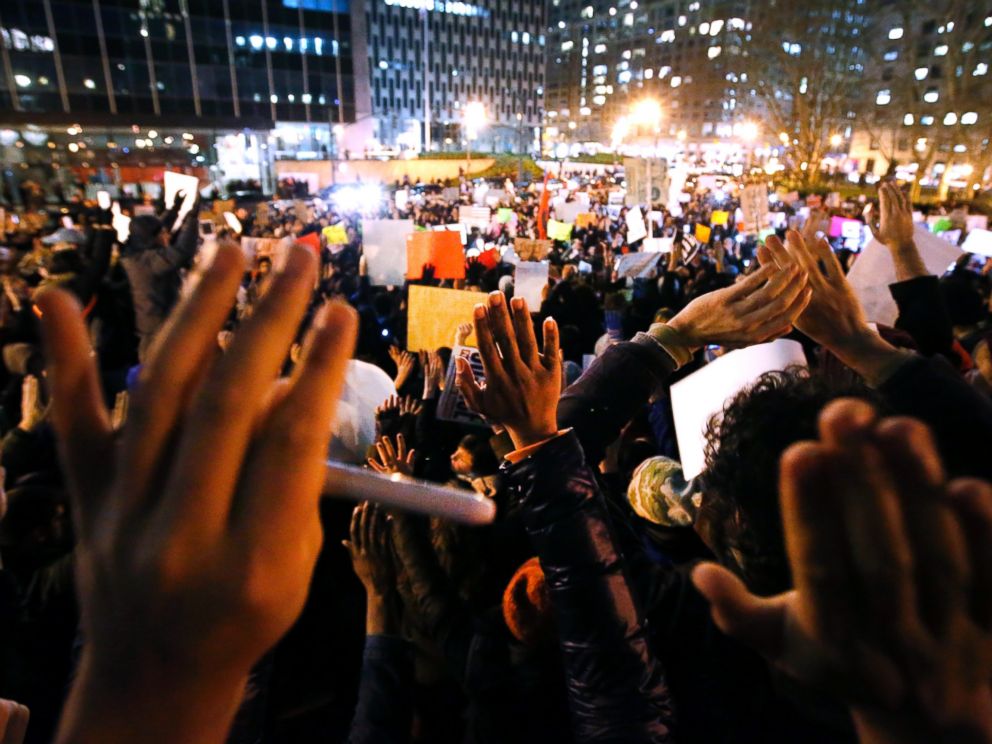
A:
x,y
170,573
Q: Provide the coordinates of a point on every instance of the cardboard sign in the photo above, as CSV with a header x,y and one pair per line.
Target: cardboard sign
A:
x,y
442,250
529,280
384,246
531,250
703,233
696,398
754,204
559,230
232,222
979,242
636,265
451,406
874,271
435,314
658,245
189,185
719,217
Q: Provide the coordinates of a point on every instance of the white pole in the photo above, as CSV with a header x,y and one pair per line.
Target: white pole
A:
x,y
427,85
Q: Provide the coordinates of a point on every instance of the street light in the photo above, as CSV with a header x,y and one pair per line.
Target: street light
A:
x,y
647,112
473,119
836,140
749,131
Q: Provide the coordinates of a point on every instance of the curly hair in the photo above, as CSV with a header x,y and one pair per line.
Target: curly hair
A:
x,y
743,446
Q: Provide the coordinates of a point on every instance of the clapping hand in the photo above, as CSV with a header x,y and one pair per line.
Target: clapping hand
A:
x,y
891,222
892,566
522,384
188,569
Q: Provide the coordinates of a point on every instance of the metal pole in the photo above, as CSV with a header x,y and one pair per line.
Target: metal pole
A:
x,y
59,74
184,10
8,74
230,61
105,60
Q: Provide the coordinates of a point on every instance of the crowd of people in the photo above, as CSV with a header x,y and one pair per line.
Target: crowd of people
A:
x,y
170,571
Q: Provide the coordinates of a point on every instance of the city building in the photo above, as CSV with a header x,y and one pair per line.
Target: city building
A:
x,y
605,55
431,59
929,112
215,84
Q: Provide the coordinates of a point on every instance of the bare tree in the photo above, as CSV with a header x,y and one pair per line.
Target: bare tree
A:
x,y
801,72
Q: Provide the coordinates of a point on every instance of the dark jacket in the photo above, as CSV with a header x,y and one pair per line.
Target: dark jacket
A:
x,y
384,714
617,689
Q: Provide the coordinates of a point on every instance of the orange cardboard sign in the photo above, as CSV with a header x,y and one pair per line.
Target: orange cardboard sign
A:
x,y
441,249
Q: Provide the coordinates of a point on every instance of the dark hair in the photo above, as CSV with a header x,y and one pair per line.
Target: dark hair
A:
x,y
743,448
484,460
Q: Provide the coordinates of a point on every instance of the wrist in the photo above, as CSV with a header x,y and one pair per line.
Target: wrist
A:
x,y
868,354
529,436
380,615
681,332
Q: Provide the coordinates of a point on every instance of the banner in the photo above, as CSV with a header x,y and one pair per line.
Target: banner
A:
x,y
636,265
638,172
384,246
435,315
442,250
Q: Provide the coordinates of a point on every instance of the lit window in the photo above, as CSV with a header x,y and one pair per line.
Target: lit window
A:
x,y
567,45
256,41
22,80
969,118
950,119
926,120
716,27
922,72
306,98
980,69
713,52
940,51
514,37
599,48
682,20
883,97
663,72
931,96
648,74
676,81
89,83
525,38
908,120
891,56
895,33
704,28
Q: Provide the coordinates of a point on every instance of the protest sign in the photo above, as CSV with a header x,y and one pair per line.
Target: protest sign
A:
x,y
532,250
458,228
939,223
232,222
754,204
874,271
435,315
636,229
703,233
559,230
658,245
174,183
636,265
122,224
836,229
569,211
504,215
442,250
979,242
976,222
384,246
719,217
312,241
401,198
479,217
585,220
696,398
529,280
102,200
451,406
336,234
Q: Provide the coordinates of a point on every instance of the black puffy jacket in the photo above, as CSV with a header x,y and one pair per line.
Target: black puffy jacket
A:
x,y
617,690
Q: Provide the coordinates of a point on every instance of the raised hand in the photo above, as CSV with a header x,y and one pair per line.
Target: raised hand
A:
x,y
760,308
392,459
405,363
462,333
522,384
891,222
892,565
13,722
410,406
434,374
369,548
188,569
33,411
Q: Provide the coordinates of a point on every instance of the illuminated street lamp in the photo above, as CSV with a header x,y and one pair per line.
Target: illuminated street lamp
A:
x,y
749,131
836,140
473,119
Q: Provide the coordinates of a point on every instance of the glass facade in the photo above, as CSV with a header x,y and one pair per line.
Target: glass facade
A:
x,y
213,62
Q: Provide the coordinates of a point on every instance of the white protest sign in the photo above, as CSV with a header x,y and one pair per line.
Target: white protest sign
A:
x,y
384,246
636,265
851,230
529,280
702,394
569,211
232,222
121,223
976,222
754,203
979,242
636,230
874,271
402,197
479,217
103,199
658,245
189,185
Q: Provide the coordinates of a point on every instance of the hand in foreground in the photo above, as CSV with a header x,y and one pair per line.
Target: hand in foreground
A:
x,y
760,308
13,722
522,385
891,222
892,565
392,459
188,569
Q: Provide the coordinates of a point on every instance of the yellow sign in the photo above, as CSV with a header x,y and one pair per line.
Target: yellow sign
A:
x,y
436,313
703,233
335,234
719,218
